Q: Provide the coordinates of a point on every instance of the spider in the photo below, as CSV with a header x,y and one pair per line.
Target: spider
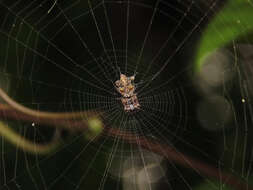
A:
x,y
126,88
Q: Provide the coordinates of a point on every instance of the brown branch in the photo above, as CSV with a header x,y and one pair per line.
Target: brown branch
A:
x,y
172,154
39,114
7,112
167,151
75,121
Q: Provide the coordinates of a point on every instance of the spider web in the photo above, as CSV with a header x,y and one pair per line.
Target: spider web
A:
x,y
67,55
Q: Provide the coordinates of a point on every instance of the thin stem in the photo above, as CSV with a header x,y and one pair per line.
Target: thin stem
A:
x,y
8,112
40,114
17,111
26,145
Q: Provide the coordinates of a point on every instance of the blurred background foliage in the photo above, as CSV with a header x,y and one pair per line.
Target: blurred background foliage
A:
x,y
229,24
219,99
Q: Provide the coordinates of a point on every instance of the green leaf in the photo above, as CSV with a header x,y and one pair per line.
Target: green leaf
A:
x,y
234,21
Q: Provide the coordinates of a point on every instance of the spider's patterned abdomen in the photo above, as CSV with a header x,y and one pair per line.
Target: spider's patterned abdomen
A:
x,y
126,89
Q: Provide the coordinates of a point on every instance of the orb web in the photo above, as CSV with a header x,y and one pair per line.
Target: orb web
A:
x,y
67,55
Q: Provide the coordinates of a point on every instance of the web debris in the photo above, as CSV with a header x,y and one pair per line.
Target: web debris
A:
x,y
52,6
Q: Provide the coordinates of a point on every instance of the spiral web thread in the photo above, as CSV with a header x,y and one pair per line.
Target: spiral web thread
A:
x,y
67,55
